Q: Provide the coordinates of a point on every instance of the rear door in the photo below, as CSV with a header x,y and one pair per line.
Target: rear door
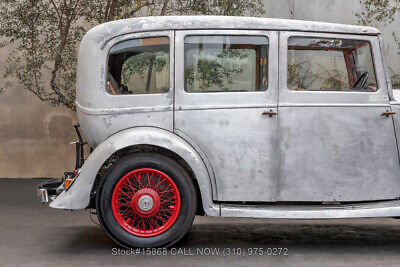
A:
x,y
225,81
335,142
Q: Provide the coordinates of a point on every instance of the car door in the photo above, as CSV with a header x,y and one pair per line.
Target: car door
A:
x,y
335,141
225,81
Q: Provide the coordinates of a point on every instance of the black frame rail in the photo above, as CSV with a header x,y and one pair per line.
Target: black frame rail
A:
x,y
79,146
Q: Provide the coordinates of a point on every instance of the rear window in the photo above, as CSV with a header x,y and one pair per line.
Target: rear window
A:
x,y
139,66
316,64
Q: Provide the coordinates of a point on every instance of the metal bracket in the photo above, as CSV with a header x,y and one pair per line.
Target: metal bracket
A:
x,y
79,145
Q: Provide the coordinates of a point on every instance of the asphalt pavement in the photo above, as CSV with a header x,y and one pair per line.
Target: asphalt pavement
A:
x,y
33,234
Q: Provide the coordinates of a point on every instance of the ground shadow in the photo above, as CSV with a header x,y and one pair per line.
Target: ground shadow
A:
x,y
291,234
256,235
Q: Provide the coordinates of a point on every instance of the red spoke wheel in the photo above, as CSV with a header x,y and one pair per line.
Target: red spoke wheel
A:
x,y
146,202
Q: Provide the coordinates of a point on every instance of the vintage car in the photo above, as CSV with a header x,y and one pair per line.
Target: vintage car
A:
x,y
230,117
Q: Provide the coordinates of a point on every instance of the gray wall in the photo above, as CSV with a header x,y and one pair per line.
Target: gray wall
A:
x,y
34,136
335,11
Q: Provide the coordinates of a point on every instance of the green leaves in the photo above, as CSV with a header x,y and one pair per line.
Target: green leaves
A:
x,y
381,11
396,81
46,34
140,63
214,70
220,7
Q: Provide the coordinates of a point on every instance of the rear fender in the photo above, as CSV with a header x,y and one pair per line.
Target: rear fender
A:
x,y
78,195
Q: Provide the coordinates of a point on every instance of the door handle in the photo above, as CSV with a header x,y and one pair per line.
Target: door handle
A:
x,y
387,113
269,113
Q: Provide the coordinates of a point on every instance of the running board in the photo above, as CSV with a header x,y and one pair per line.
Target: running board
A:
x,y
362,210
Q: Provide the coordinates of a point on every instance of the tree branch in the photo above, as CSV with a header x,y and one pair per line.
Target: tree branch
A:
x,y
56,9
164,7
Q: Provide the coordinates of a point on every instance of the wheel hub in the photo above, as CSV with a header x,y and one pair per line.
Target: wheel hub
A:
x,y
146,202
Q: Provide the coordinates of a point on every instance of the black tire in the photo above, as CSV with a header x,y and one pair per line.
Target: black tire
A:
x,y
158,162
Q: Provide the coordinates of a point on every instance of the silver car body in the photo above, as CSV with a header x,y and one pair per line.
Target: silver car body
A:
x,y
246,163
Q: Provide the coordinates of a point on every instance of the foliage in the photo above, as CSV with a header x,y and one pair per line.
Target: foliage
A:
x,y
385,12
300,77
140,63
396,81
382,11
219,7
45,35
213,69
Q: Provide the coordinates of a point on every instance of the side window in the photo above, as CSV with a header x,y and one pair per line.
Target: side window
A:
x,y
226,63
316,64
139,66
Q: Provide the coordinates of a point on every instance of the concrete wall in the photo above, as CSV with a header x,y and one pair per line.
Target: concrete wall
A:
x,y
34,136
335,11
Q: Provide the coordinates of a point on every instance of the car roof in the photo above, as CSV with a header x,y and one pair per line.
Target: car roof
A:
x,y
109,30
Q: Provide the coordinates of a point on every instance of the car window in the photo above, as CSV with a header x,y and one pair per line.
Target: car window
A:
x,y
139,66
316,64
226,63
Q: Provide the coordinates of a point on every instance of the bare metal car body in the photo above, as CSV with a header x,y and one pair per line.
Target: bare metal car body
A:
x,y
316,154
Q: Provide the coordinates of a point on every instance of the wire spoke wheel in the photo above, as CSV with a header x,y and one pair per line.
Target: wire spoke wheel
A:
x,y
146,202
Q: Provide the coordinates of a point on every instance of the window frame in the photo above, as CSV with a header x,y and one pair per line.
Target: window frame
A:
x,y
138,38
257,60
293,97
226,99
345,62
135,103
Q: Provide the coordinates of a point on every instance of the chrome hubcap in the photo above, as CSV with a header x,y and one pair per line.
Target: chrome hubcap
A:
x,y
145,203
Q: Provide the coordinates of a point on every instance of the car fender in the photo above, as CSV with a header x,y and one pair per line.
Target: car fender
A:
x,y
78,195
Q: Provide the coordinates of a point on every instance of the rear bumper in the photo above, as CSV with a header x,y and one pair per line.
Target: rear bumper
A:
x,y
50,189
